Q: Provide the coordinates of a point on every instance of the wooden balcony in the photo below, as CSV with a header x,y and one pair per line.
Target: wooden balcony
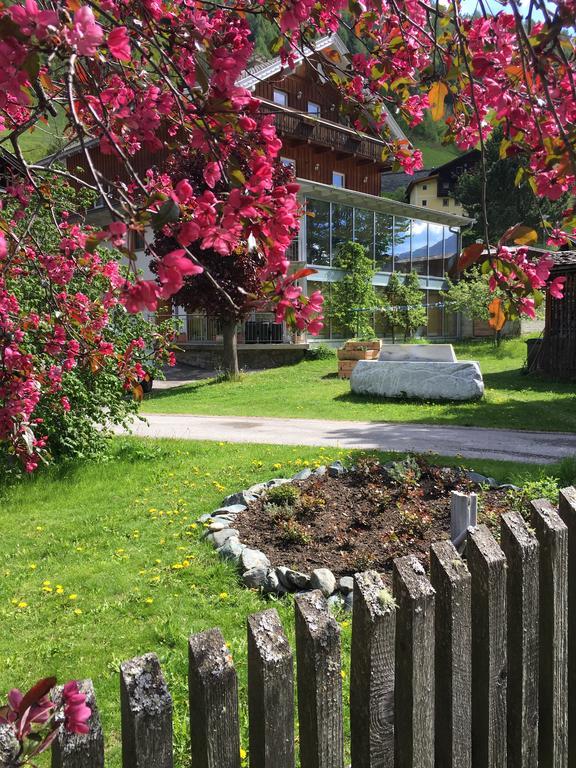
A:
x,y
310,129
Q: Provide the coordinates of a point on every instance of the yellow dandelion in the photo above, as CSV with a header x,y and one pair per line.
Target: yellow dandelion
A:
x,y
39,528
223,595
149,600
32,566
47,589
22,604
243,754
194,526
77,611
185,563
59,589
46,583
343,674
73,596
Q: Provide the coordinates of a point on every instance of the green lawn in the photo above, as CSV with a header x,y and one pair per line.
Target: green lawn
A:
x,y
102,563
312,390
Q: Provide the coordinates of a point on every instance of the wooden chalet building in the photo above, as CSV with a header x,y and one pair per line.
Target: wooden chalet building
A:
x,y
339,171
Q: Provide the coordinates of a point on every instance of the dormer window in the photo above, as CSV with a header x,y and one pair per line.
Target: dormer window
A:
x,y
338,179
314,108
280,97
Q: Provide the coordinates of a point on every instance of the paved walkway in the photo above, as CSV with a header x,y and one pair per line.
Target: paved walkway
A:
x,y
470,442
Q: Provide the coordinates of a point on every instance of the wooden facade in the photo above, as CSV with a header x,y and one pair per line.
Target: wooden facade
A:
x,y
557,354
317,144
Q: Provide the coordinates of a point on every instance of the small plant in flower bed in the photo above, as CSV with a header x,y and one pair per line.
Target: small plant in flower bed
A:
x,y
30,722
364,518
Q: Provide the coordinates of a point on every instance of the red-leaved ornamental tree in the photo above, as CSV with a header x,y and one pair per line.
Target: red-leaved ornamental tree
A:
x,y
146,78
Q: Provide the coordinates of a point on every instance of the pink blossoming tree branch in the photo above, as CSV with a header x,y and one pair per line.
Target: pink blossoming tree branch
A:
x,y
138,80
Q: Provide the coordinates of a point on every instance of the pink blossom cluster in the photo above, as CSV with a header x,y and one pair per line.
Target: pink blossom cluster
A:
x,y
36,719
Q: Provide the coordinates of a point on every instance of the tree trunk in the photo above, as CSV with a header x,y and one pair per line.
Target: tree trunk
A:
x,y
230,352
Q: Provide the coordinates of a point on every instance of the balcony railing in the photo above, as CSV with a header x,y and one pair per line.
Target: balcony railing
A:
x,y
315,130
260,328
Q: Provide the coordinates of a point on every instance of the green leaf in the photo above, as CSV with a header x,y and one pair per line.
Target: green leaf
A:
x,y
168,213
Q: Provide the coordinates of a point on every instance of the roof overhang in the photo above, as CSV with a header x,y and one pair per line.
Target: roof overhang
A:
x,y
380,204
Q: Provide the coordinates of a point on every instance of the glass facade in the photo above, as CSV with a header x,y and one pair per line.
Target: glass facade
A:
x,y
395,243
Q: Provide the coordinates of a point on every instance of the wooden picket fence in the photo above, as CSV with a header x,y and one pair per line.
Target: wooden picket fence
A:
x,y
474,667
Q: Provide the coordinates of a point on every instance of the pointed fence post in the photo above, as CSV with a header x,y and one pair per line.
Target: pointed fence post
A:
x,y
270,693
414,687
213,691
319,683
372,673
522,554
567,511
487,565
146,710
80,750
453,643
553,729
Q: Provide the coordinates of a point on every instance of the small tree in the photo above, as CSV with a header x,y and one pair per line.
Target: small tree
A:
x,y
393,295
471,295
413,312
354,292
404,309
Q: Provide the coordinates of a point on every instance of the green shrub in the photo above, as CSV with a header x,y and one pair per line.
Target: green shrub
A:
x,y
320,352
567,472
283,495
294,533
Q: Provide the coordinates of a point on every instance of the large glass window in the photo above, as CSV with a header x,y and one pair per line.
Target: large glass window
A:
x,y
381,327
450,248
318,232
420,247
384,238
435,250
401,244
364,229
342,227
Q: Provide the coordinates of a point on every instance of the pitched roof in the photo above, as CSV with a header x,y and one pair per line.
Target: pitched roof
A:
x,y
397,179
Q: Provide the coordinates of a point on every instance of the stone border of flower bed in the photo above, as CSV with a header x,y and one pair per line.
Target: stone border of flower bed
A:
x,y
255,568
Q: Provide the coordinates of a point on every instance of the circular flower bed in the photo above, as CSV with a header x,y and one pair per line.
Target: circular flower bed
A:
x,y
318,528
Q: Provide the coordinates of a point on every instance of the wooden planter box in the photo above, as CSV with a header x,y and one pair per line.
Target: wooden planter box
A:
x,y
352,351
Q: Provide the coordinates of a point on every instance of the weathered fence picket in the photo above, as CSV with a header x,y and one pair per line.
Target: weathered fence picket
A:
x,y
270,689
213,690
475,668
414,694
522,554
146,710
372,673
319,683
552,535
567,511
453,652
72,750
488,568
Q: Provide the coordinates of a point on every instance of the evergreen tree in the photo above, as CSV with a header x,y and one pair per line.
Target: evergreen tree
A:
x,y
354,291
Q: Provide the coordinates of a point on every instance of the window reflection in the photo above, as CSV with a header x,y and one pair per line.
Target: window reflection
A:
x,y
420,247
318,232
435,250
401,244
364,229
450,248
384,239
342,231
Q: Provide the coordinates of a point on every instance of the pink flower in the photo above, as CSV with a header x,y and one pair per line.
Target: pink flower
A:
x,y
172,270
65,403
76,713
212,174
33,21
189,231
86,34
3,246
183,191
119,44
556,287
142,295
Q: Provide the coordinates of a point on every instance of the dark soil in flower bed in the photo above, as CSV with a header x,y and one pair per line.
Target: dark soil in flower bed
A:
x,y
362,519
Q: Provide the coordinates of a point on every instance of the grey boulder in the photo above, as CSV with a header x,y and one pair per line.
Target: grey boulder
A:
x,y
346,585
418,380
336,469
304,474
254,578
292,580
253,558
324,580
218,538
232,549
